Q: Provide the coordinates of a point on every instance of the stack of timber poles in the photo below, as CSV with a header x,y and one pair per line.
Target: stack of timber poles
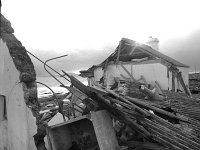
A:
x,y
161,129
182,104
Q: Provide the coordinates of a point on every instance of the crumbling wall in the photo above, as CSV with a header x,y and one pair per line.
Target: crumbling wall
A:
x,y
18,85
152,72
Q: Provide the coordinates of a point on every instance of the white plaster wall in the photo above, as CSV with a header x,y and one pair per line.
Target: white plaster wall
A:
x,y
98,73
151,72
20,124
3,123
3,134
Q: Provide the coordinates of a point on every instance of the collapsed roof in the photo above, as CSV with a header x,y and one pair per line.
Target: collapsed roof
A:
x,y
128,50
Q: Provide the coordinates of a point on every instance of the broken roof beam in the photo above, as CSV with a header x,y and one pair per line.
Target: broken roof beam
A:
x,y
103,102
180,79
118,53
158,54
161,130
133,79
142,62
137,55
147,49
133,49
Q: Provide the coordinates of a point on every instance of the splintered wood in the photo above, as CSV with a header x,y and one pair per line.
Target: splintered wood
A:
x,y
170,123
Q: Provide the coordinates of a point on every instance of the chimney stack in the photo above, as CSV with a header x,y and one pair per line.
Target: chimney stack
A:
x,y
153,43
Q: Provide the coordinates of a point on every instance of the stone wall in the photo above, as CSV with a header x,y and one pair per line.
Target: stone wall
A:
x,y
21,61
18,84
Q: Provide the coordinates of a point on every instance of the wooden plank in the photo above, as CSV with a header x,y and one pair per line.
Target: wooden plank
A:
x,y
104,103
180,78
151,94
133,49
133,79
173,142
173,81
132,105
103,99
118,53
158,85
177,136
169,125
146,105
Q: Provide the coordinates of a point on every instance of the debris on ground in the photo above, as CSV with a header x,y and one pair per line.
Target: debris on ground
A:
x,y
143,123
140,121
194,82
144,116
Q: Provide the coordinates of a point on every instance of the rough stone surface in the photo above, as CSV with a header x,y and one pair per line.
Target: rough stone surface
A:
x,y
6,25
21,123
11,40
23,64
18,53
30,94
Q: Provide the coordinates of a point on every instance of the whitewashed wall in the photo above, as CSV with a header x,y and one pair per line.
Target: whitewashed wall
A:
x,y
16,133
152,72
98,73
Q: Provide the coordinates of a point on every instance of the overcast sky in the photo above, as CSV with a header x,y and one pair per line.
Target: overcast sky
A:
x,y
89,30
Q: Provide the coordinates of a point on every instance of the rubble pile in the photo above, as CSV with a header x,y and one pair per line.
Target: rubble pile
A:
x,y
194,82
180,103
71,105
144,116
146,123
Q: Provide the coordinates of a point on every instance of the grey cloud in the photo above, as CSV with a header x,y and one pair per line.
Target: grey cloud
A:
x,y
82,59
186,50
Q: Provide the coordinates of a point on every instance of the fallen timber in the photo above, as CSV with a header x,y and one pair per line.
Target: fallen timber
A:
x,y
187,106
154,128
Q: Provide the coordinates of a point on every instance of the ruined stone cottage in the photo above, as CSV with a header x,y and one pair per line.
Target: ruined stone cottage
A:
x,y
139,62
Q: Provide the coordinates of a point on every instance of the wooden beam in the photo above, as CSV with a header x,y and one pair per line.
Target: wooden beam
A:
x,y
133,49
128,73
120,49
180,79
132,69
149,105
151,93
118,53
142,62
173,81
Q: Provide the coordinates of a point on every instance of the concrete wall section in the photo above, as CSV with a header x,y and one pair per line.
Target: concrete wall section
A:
x,y
20,124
